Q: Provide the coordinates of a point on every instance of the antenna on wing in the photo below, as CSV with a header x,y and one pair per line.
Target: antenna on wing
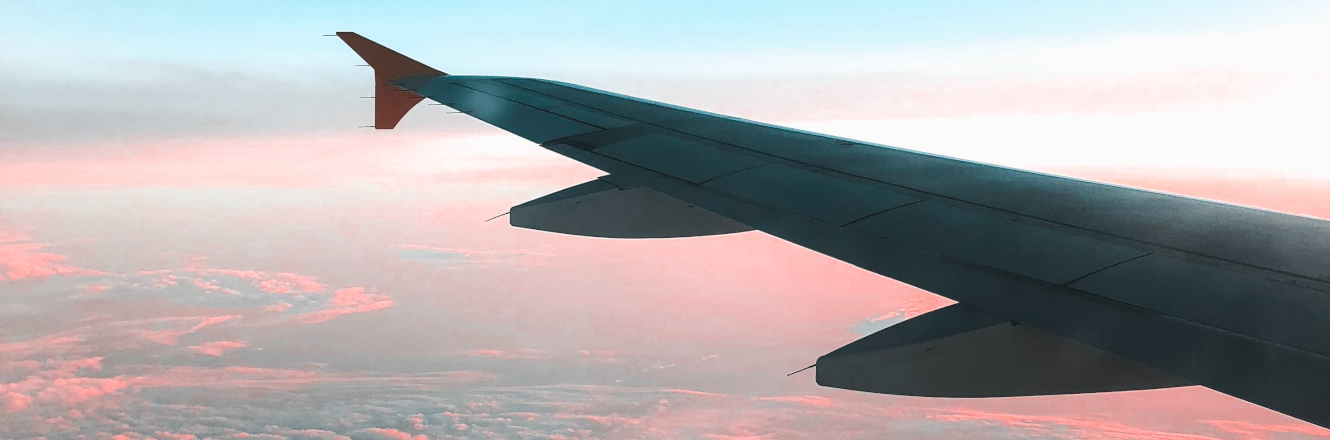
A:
x,y
497,216
800,370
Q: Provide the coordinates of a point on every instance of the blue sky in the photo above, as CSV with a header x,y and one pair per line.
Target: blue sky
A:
x,y
508,36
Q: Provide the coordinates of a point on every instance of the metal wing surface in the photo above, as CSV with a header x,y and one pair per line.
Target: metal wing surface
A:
x,y
1118,288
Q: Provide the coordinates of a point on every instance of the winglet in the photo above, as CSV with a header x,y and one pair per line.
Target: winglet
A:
x,y
390,101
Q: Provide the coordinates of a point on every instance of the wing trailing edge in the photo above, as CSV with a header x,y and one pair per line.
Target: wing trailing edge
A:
x,y
391,102
960,351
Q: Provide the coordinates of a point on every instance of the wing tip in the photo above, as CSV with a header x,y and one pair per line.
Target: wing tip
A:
x,y
385,61
390,103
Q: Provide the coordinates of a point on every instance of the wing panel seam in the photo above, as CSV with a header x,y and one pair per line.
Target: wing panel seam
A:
x,y
1321,285
1069,283
531,107
946,258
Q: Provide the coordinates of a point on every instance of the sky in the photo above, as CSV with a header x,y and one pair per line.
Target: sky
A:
x,y
196,240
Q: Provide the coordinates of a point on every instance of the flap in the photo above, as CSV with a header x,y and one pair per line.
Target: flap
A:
x,y
960,351
601,209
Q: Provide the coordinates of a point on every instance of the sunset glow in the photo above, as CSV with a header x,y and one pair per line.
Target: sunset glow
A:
x,y
238,261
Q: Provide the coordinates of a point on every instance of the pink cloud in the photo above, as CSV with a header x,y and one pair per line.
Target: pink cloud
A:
x,y
216,348
20,259
198,282
316,434
279,307
529,416
473,406
393,434
243,434
244,274
523,353
1254,429
209,322
70,391
169,337
274,286
229,377
96,288
284,283
285,379
476,256
351,297
601,356
1081,427
609,420
15,401
163,435
280,283
345,302
324,315
165,281
60,385
695,393
302,282
919,305
802,400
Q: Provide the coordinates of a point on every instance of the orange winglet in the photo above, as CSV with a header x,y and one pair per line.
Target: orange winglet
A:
x,y
390,102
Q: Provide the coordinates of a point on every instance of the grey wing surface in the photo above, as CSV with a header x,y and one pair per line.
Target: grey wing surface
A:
x,y
1064,285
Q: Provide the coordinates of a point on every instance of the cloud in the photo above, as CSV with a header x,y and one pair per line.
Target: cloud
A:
x,y
345,302
279,307
216,348
802,400
1063,427
1256,430
20,258
523,353
284,283
316,434
457,256
15,402
393,434
238,273
168,99
919,305
240,161
408,407
245,289
169,337
198,282
600,356
60,383
340,302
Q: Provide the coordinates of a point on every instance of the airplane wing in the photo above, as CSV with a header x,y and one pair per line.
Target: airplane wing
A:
x,y
1063,285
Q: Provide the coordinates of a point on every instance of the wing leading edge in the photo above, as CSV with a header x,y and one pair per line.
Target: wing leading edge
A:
x,y
1181,290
